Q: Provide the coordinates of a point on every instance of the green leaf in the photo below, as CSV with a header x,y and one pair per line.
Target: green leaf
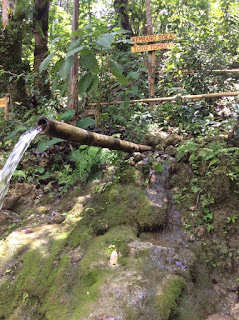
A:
x,y
55,40
44,64
89,61
68,115
117,71
66,67
135,89
115,67
40,170
54,141
73,51
85,82
121,78
19,173
85,123
94,84
106,40
13,134
133,75
73,44
44,145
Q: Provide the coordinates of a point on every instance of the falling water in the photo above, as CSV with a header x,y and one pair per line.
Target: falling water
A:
x,y
13,160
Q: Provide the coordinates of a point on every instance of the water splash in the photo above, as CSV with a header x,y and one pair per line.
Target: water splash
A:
x,y
13,160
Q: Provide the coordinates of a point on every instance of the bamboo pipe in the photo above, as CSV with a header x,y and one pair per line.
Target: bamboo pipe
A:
x,y
65,131
173,98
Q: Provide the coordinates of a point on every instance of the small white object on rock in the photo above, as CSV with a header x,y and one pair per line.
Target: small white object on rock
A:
x,y
114,258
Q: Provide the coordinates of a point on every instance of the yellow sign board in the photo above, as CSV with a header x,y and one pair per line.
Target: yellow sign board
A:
x,y
153,38
151,47
3,102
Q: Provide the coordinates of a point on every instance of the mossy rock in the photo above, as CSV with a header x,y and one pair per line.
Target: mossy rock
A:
x,y
45,284
168,296
123,205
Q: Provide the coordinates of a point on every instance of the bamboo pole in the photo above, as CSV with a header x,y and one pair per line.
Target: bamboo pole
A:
x,y
195,71
65,131
173,98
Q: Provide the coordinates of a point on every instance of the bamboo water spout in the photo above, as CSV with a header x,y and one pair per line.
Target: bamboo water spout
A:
x,y
65,131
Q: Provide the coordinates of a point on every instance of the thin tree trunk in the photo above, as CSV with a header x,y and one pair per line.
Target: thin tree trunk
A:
x,y
11,59
73,78
151,54
40,30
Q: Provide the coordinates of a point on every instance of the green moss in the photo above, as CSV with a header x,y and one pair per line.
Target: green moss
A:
x,y
61,290
166,300
80,236
123,205
93,268
129,175
37,273
98,251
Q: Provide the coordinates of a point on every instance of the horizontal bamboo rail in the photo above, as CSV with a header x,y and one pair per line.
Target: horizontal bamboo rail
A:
x,y
173,98
65,131
195,71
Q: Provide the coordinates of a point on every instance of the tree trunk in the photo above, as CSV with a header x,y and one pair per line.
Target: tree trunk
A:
x,y
152,54
121,7
40,30
73,78
11,57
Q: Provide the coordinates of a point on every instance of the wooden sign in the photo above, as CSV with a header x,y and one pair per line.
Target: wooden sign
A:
x,y
3,102
153,38
151,47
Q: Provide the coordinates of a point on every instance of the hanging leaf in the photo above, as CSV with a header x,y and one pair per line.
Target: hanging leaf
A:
x,y
85,82
44,64
55,68
94,84
85,122
117,71
66,67
121,78
89,61
106,40
115,67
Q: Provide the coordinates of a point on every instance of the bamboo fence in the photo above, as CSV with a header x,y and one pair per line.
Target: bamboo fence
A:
x,y
173,98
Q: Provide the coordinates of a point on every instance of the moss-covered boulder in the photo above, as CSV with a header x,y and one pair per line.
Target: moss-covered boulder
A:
x,y
123,205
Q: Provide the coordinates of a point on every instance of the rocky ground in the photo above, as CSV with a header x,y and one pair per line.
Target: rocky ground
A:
x,y
55,253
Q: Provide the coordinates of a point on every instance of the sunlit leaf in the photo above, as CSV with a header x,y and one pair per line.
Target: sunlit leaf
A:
x,y
106,40
45,63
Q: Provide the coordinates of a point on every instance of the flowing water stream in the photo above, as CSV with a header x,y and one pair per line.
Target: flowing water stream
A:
x,y
13,160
